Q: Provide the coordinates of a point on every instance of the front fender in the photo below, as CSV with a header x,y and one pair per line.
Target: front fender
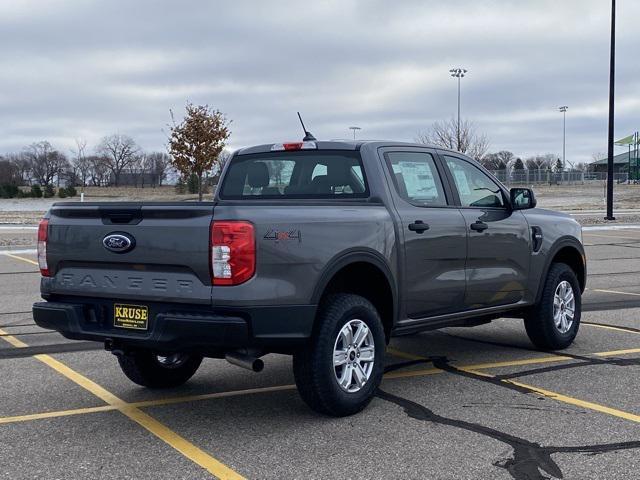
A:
x,y
559,244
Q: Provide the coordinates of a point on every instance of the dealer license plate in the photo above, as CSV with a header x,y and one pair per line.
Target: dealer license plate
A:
x,y
135,317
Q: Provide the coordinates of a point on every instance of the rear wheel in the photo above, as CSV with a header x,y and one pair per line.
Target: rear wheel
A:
x,y
338,372
154,370
554,322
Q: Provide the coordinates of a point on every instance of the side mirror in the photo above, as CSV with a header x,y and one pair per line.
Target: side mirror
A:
x,y
522,198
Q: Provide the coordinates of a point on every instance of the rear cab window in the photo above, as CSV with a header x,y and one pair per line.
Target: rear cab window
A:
x,y
301,174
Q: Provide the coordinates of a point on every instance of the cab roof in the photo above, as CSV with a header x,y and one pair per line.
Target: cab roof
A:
x,y
351,145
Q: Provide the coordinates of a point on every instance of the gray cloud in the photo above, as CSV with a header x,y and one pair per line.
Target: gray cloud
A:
x,y
85,69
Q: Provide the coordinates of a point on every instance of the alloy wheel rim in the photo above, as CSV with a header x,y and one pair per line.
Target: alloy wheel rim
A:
x,y
564,307
353,355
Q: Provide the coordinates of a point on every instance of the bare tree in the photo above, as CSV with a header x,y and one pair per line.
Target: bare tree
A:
x,y
540,162
445,134
196,143
8,172
138,169
493,161
157,164
80,163
120,152
98,170
223,158
506,156
45,163
22,165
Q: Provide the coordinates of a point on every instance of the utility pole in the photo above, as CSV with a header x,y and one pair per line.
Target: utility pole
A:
x,y
354,131
458,73
563,109
612,70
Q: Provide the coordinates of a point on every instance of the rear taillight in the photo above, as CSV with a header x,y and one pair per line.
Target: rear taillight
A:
x,y
42,247
233,252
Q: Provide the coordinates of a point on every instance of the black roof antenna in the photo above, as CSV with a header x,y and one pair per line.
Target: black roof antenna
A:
x,y
308,136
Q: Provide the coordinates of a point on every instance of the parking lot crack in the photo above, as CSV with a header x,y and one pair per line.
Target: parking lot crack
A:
x,y
528,459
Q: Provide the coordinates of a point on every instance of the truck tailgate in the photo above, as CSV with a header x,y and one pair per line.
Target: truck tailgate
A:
x,y
169,261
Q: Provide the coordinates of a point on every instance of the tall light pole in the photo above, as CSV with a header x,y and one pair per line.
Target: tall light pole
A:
x,y
612,73
355,129
564,109
458,73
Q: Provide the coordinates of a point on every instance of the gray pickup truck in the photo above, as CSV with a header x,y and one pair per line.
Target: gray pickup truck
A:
x,y
319,249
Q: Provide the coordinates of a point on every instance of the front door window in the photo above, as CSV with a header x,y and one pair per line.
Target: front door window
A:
x,y
476,189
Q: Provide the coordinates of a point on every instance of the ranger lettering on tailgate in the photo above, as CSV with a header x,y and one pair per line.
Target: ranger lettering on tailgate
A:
x,y
70,280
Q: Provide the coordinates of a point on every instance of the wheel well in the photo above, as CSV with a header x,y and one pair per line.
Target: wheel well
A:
x,y
368,281
573,258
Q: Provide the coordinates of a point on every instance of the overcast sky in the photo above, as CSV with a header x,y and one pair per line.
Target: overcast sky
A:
x,y
86,69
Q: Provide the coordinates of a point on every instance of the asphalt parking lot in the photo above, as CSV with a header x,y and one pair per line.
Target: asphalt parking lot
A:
x,y
455,404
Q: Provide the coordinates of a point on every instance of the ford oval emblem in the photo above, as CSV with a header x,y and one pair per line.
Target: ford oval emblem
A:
x,y
118,242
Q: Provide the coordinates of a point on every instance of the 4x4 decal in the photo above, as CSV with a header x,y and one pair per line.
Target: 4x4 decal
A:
x,y
283,235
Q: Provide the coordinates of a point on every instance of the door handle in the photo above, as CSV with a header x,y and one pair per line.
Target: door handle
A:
x,y
479,226
418,226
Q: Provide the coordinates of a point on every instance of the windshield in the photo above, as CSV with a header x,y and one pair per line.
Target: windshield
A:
x,y
309,174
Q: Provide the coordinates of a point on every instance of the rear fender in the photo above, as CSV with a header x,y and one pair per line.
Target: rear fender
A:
x,y
349,257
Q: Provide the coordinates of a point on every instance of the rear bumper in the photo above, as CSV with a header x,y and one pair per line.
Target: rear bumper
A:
x,y
175,330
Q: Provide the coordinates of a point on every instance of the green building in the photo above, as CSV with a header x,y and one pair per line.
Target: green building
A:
x,y
621,164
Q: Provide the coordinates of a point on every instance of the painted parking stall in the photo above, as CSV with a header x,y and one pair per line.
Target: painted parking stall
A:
x,y
460,403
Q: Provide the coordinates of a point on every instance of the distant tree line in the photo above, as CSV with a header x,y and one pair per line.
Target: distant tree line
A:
x,y
506,160
115,157
476,145
196,150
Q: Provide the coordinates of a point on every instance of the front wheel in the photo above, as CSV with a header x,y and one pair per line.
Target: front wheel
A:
x,y
554,322
154,370
338,372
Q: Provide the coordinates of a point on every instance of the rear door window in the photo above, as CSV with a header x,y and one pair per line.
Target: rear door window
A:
x,y
317,174
416,178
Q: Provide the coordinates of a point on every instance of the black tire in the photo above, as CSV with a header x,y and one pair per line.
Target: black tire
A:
x,y
313,365
539,321
144,368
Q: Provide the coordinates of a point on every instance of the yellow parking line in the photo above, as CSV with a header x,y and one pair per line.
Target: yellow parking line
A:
x,y
210,396
144,403
581,403
400,354
564,398
615,291
56,414
478,366
160,430
12,340
28,260
279,388
81,380
615,353
610,327
181,444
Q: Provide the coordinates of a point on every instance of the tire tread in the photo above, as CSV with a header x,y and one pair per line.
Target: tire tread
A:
x,y
538,321
313,385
